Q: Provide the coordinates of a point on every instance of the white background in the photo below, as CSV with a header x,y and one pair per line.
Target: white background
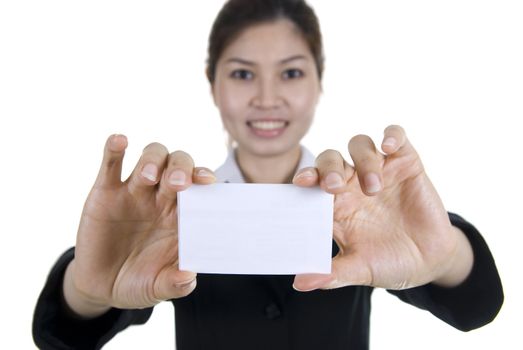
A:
x,y
72,72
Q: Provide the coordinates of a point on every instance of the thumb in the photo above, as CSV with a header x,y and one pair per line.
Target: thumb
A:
x,y
348,270
311,281
172,283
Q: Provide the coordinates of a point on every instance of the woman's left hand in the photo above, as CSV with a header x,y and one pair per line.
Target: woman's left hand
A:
x,y
389,222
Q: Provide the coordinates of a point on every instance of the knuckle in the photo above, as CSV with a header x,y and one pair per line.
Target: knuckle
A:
x,y
150,146
328,152
155,147
394,128
180,153
329,155
360,138
111,162
359,144
365,160
329,163
181,157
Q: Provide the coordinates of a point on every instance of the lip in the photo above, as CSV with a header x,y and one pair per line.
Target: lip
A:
x,y
267,119
267,128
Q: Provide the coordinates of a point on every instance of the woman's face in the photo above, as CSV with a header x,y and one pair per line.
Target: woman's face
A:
x,y
267,88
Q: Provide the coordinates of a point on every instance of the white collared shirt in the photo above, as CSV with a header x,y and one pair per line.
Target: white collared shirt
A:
x,y
230,171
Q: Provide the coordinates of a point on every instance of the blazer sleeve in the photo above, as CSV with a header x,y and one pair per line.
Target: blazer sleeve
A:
x,y
54,327
472,304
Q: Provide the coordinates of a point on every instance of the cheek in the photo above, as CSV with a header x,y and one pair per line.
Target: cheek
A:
x,y
230,102
305,101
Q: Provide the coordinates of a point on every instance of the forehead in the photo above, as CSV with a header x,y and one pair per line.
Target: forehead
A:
x,y
271,41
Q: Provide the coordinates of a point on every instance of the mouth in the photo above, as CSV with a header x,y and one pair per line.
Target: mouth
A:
x,y
267,128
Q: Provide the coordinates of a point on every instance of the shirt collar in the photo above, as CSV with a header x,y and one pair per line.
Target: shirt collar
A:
x,y
229,171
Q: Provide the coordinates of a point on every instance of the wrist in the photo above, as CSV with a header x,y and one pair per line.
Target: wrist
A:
x,y
460,262
76,302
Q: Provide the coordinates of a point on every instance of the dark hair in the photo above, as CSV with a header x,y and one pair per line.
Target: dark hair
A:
x,y
237,15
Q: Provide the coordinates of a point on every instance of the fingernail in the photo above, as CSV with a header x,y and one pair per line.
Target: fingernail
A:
x,y
117,140
372,183
305,174
177,178
302,290
204,173
390,142
187,285
150,172
333,180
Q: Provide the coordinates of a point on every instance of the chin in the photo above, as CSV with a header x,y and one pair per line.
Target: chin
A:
x,y
270,148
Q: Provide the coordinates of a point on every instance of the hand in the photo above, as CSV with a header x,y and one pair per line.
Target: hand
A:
x,y
127,244
389,222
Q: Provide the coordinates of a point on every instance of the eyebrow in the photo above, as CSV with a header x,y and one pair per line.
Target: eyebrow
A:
x,y
250,63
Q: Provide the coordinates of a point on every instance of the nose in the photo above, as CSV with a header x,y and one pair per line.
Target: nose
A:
x,y
267,94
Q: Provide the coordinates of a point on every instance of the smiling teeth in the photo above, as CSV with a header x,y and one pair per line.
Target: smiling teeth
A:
x,y
268,125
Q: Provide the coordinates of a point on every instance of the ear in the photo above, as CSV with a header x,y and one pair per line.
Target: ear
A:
x,y
208,74
213,93
320,92
211,83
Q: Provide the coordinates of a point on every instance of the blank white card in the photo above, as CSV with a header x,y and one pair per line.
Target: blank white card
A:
x,y
255,229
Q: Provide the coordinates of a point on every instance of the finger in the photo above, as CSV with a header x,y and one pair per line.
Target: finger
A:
x,y
331,169
312,281
110,173
203,176
173,283
178,175
394,139
306,177
347,270
149,168
368,164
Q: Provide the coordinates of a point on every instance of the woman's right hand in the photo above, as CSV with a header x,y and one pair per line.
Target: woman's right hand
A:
x,y
127,245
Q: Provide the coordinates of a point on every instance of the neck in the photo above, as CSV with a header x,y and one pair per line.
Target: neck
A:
x,y
273,169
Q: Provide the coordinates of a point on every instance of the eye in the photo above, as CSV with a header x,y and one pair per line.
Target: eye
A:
x,y
242,74
292,74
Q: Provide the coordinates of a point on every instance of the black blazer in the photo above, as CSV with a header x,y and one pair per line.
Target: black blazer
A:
x,y
264,312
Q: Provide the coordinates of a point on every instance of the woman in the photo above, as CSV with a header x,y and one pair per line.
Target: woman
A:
x,y
390,227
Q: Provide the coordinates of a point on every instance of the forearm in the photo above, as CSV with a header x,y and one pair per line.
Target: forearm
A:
x,y
76,302
459,264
